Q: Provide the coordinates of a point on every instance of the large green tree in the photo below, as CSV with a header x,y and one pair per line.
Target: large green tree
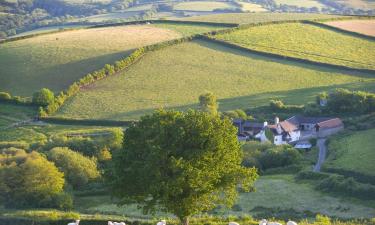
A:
x,y
43,97
181,163
28,180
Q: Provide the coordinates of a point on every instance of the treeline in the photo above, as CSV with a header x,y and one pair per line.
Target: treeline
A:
x,y
335,183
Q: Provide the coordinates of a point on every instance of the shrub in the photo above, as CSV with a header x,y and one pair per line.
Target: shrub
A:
x,y
44,97
343,100
5,96
279,106
77,168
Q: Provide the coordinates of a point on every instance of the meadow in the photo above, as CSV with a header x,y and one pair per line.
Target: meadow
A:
x,y
57,60
361,26
303,3
307,42
251,7
202,6
249,18
354,152
277,193
174,77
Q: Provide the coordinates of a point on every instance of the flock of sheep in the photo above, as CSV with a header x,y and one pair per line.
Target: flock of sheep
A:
x,y
163,222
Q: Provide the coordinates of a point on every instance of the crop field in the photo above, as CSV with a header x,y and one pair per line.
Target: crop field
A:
x,y
307,42
248,18
355,152
360,26
251,7
177,75
301,3
273,192
57,60
202,6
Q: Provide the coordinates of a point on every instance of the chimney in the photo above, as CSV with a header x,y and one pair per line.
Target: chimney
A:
x,y
277,120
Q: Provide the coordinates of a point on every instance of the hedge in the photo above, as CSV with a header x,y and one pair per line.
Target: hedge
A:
x,y
87,122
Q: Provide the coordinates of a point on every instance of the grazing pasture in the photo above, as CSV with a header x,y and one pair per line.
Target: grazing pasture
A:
x,y
176,76
355,152
301,3
48,29
360,26
188,29
307,42
202,6
57,60
109,16
10,113
248,18
278,192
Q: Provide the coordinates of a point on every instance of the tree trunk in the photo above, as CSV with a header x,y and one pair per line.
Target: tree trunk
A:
x,y
185,221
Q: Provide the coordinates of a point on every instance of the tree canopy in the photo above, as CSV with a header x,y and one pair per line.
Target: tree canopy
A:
x,y
208,103
77,168
182,163
43,97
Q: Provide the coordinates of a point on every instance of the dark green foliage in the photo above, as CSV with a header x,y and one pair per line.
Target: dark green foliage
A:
x,y
78,169
187,162
28,180
279,106
44,97
265,155
345,101
237,113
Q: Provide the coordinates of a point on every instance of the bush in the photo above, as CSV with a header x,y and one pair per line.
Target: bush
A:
x,y
5,96
44,97
279,106
345,101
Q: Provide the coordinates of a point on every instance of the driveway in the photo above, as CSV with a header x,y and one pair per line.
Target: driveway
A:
x,y
321,143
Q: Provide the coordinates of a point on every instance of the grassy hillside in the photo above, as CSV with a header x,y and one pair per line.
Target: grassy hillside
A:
x,y
176,76
188,29
355,152
307,42
245,18
278,193
301,3
202,6
57,60
10,114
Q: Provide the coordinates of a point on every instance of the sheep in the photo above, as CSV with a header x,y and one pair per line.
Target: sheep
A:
x,y
110,223
74,223
233,223
263,222
291,223
162,222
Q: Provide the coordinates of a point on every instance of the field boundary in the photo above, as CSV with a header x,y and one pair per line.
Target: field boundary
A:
x,y
283,57
88,122
336,29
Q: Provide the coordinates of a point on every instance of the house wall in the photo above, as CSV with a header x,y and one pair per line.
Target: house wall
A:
x,y
278,140
295,136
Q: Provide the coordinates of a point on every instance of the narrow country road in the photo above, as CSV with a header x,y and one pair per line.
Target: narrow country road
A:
x,y
321,143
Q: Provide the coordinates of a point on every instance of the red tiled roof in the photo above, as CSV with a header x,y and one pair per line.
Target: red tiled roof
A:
x,y
332,123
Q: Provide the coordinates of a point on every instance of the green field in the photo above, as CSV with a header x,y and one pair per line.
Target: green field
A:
x,y
355,152
273,192
108,16
251,7
177,75
247,18
57,60
301,3
188,29
202,6
307,42
10,114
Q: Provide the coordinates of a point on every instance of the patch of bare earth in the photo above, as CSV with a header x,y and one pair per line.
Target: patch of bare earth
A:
x,y
361,26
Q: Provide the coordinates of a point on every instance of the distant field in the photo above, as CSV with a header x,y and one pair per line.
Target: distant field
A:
x,y
202,6
359,4
302,3
109,16
57,60
361,26
277,192
355,152
245,18
251,7
48,29
307,42
177,75
188,29
10,114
